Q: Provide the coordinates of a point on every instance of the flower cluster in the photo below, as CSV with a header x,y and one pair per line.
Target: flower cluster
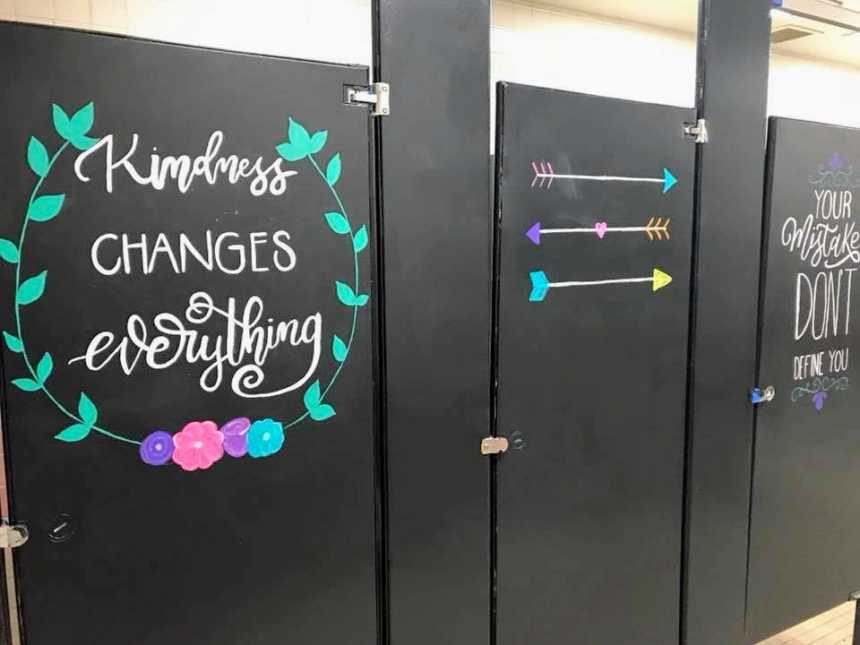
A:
x,y
201,443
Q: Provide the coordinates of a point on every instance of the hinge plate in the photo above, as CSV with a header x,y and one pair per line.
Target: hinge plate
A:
x,y
697,131
13,535
494,445
378,96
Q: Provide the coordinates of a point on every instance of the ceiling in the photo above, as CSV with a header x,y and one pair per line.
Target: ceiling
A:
x,y
827,41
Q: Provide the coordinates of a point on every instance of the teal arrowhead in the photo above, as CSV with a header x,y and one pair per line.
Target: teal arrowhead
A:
x,y
669,180
540,286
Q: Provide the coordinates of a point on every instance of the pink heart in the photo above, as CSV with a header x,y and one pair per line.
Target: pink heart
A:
x,y
600,229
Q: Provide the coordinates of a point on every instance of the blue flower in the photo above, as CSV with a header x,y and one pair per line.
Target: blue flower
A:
x,y
265,437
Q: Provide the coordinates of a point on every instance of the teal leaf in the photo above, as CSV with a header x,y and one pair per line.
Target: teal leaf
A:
x,y
26,384
291,152
74,433
37,157
8,251
82,142
13,342
312,396
45,207
338,349
74,130
62,123
31,289
361,300
359,242
345,294
45,367
338,223
322,412
82,120
332,171
299,137
318,141
87,410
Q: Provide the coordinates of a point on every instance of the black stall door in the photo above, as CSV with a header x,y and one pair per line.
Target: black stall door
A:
x,y
594,255
805,519
187,357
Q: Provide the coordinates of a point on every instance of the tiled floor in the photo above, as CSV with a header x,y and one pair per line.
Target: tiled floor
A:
x,y
834,627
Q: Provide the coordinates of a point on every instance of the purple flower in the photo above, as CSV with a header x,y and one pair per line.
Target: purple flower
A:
x,y
157,448
835,162
818,399
235,434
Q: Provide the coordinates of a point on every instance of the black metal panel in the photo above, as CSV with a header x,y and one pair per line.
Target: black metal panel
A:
x,y
733,63
252,550
592,377
805,525
435,198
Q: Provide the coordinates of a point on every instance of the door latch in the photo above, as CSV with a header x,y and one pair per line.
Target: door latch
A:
x,y
13,535
378,95
757,395
494,445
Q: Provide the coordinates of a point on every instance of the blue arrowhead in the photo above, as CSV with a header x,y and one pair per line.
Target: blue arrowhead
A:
x,y
669,180
540,286
534,233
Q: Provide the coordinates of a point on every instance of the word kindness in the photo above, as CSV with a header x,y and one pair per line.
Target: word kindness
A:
x,y
245,344
185,170
826,240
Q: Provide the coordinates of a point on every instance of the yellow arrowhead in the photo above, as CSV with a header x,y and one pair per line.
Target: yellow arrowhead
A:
x,y
661,279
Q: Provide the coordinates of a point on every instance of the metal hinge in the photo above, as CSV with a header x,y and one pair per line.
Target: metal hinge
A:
x,y
12,535
697,131
494,445
377,95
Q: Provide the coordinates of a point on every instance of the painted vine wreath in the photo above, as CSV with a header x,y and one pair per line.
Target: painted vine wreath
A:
x,y
198,444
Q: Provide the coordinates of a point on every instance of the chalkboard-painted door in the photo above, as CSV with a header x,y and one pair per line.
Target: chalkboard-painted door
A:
x,y
594,210
187,359
805,518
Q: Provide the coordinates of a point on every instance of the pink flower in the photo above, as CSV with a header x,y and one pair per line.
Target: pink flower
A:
x,y
198,445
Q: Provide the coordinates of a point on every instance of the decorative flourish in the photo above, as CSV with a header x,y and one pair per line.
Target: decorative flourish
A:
x,y
199,444
835,174
818,388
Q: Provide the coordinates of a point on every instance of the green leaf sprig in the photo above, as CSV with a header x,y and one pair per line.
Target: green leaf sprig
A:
x,y
43,208
300,145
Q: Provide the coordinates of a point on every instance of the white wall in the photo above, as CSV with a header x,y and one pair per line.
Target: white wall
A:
x,y
814,90
531,44
567,50
329,30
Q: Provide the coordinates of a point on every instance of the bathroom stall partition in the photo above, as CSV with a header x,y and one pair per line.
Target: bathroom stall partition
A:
x,y
594,225
190,398
804,515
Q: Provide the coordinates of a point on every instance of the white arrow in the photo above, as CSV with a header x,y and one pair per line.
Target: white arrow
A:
x,y
545,175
